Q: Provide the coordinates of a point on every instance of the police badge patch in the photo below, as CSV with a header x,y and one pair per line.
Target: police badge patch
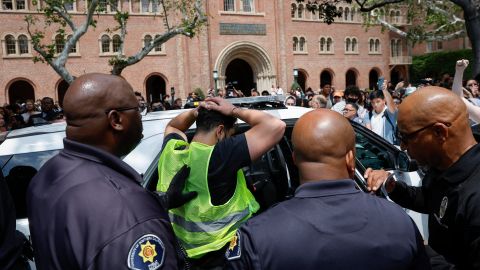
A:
x,y
234,251
147,253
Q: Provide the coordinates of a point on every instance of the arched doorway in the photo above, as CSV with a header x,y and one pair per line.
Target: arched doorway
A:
x,y
20,91
302,79
240,74
397,75
155,88
372,79
325,78
263,74
61,90
350,78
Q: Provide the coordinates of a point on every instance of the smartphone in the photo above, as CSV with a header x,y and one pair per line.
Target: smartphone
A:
x,y
380,83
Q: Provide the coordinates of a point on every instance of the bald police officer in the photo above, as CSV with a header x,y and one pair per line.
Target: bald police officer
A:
x,y
434,129
86,207
329,224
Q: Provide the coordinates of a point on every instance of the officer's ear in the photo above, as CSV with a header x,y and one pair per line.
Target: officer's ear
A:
x,y
220,132
350,162
115,120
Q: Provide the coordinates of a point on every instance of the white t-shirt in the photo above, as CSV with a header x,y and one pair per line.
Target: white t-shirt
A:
x,y
378,122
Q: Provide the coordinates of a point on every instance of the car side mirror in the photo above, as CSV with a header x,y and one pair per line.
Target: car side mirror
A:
x,y
404,163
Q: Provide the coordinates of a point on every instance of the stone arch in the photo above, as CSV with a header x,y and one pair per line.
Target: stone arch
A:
x,y
373,76
20,89
155,85
351,77
252,53
61,87
326,77
302,78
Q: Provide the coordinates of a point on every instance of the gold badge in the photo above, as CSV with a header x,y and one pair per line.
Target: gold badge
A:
x,y
148,252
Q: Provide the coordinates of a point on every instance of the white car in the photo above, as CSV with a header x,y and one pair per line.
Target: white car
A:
x,y
274,176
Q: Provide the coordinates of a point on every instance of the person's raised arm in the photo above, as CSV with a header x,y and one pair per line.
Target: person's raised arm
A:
x,y
266,130
388,98
181,123
473,111
458,78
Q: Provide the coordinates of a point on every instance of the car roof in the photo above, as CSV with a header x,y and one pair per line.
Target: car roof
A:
x,y
50,137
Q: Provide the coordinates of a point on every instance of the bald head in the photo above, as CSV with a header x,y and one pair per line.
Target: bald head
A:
x,y
90,95
92,108
323,138
434,125
428,105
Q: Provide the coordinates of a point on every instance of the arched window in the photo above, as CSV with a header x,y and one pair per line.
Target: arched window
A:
x,y
295,44
229,5
371,47
397,16
322,44
347,45
294,10
59,43
23,44
377,45
247,5
354,45
158,48
346,14
352,14
116,43
329,44
340,10
392,16
147,40
300,11
399,47
393,46
73,49
105,43
10,44
302,44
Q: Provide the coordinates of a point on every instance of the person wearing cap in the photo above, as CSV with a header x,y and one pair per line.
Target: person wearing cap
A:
x,y
352,94
337,96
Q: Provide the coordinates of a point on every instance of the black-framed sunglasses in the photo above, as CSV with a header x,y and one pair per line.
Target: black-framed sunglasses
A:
x,y
402,137
122,109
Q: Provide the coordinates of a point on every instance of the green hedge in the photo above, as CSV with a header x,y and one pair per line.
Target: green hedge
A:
x,y
434,65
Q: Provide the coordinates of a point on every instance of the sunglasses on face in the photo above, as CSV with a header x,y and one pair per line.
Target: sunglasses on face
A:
x,y
405,137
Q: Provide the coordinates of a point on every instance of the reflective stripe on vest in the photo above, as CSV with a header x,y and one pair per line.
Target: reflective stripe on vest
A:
x,y
211,226
200,226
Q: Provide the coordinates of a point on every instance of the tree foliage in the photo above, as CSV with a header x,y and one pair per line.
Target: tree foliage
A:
x,y
180,17
434,65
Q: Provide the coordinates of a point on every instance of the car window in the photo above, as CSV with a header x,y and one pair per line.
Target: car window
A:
x,y
18,171
371,154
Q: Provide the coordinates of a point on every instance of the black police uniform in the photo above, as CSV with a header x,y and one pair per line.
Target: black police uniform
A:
x,y
87,210
329,225
11,241
452,200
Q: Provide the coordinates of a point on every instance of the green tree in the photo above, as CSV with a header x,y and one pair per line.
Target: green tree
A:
x,y
188,15
432,20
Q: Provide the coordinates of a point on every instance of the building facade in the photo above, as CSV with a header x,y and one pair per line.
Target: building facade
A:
x,y
252,43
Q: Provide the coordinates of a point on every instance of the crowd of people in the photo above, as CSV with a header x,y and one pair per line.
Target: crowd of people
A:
x,y
87,210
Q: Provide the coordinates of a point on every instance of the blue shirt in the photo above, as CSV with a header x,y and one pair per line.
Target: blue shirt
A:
x,y
329,225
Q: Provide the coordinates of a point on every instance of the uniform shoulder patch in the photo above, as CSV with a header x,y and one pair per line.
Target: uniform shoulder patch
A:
x,y
147,253
234,251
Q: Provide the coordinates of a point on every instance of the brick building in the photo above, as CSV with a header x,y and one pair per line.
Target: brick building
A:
x,y
256,43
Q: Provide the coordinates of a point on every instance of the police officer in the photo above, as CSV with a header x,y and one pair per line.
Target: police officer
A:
x,y
433,127
86,207
329,224
207,223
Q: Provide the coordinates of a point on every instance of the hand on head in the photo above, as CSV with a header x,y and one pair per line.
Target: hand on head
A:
x,y
218,104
